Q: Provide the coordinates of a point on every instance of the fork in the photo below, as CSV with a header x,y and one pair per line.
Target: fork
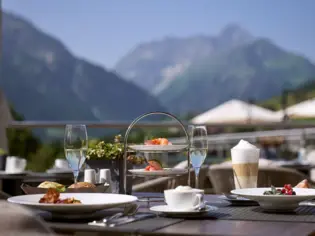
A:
x,y
128,211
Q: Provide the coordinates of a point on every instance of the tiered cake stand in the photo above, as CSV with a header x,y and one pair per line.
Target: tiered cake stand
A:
x,y
153,149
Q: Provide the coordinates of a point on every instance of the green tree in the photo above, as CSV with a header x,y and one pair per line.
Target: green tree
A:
x,y
22,142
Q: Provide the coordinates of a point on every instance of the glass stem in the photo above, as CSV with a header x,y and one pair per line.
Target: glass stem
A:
x,y
197,177
75,175
197,181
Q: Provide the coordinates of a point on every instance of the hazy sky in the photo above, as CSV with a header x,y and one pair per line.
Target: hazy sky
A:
x,y
104,30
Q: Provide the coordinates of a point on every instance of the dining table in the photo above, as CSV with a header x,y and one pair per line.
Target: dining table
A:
x,y
225,220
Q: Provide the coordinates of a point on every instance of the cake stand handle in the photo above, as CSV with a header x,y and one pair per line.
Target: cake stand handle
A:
x,y
123,178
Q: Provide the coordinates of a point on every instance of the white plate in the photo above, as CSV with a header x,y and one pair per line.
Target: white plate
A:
x,y
176,212
276,202
164,172
91,202
158,148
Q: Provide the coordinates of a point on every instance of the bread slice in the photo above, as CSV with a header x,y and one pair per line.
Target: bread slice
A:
x,y
48,184
82,185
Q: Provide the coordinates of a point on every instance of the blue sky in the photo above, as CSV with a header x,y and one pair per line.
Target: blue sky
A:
x,y
105,30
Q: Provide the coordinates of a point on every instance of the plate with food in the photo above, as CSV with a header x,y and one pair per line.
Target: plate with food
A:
x,y
69,203
155,168
158,145
80,187
284,198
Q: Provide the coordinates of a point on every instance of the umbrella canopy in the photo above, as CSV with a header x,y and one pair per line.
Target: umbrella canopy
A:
x,y
236,111
304,109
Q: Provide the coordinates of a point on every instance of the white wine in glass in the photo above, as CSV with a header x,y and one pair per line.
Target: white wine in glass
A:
x,y
198,148
76,145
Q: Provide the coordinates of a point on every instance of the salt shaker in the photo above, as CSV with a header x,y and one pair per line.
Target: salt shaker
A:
x,y
105,176
90,176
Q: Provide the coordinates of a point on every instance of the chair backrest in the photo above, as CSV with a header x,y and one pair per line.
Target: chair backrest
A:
x,y
222,178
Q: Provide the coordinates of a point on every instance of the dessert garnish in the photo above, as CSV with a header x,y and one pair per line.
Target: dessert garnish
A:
x,y
287,190
158,141
154,165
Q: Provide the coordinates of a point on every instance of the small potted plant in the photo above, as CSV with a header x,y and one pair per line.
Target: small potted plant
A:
x,y
101,155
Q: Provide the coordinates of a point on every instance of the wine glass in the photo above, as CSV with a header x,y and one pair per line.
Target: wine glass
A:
x,y
76,145
198,148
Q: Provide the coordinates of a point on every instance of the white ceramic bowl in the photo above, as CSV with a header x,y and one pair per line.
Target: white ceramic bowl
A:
x,y
276,202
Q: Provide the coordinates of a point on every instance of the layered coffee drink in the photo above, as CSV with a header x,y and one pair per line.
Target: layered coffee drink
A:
x,y
245,158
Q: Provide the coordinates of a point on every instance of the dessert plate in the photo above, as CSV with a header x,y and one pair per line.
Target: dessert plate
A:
x,y
276,202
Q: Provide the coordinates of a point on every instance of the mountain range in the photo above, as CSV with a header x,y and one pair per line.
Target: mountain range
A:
x,y
44,81
198,73
154,65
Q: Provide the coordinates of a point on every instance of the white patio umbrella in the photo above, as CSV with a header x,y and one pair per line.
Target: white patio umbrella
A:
x,y
236,111
304,109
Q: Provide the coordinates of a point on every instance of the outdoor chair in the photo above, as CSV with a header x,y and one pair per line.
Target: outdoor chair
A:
x,y
222,178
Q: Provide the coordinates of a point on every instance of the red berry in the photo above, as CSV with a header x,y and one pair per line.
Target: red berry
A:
x,y
283,190
289,186
289,192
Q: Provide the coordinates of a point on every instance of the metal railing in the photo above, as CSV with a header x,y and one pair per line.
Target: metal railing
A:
x,y
125,124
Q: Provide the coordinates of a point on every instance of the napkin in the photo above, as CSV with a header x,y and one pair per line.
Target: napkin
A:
x,y
18,220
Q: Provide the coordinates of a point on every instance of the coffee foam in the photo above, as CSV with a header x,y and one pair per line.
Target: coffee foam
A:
x,y
244,152
245,145
183,188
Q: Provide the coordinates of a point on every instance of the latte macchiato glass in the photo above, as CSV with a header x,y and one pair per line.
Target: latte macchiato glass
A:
x,y
245,158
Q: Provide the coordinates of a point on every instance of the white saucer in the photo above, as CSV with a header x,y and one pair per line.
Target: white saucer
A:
x,y
183,213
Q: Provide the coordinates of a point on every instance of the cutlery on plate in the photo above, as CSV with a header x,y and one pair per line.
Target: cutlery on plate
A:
x,y
129,219
233,197
128,211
